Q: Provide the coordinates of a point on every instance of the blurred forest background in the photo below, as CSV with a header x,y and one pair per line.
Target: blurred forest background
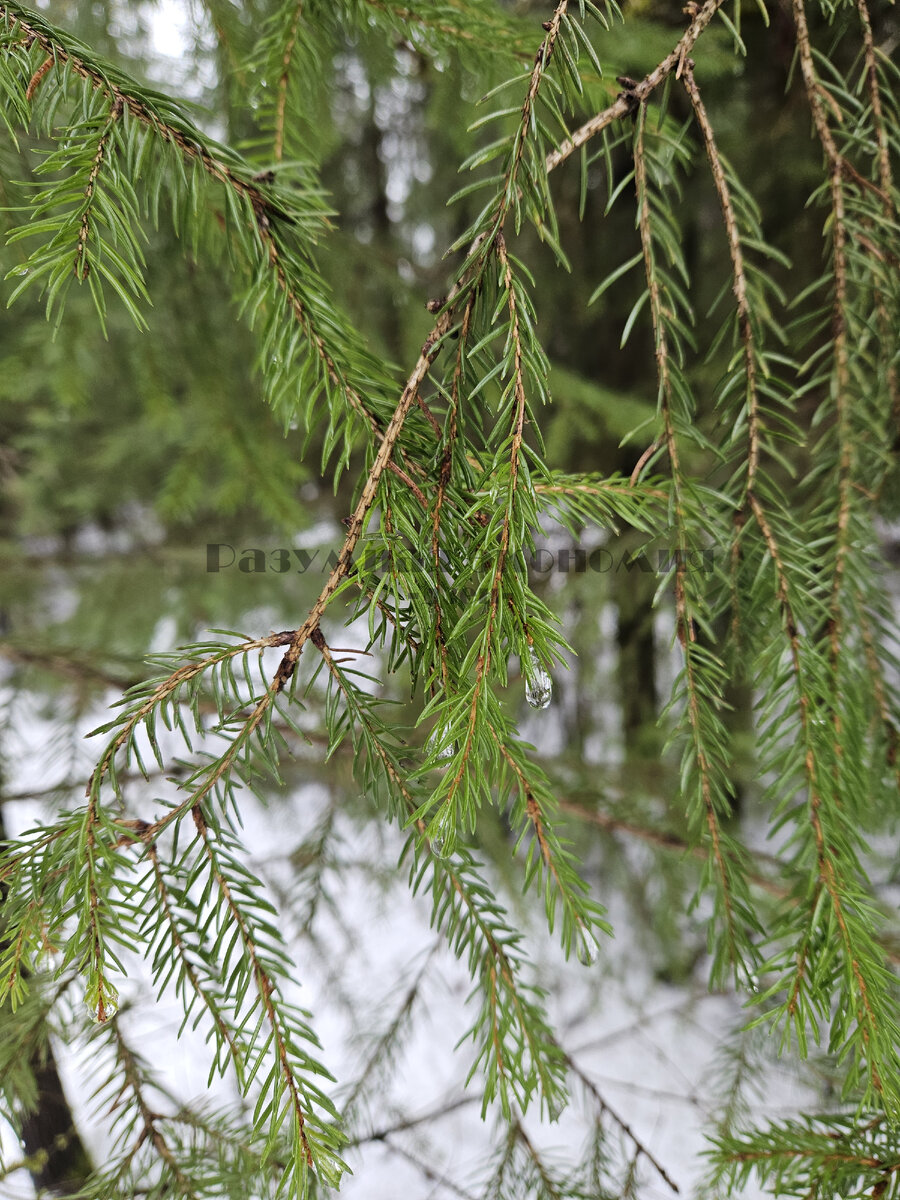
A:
x,y
122,458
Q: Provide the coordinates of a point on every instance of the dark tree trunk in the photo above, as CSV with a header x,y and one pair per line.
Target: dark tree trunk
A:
x,y
637,657
58,1161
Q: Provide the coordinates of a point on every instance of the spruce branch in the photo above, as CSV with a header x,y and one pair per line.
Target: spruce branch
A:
x,y
144,711
444,474
641,1150
404,1123
70,663
284,79
832,884
739,284
473,924
455,466
627,102
427,1170
82,263
702,674
173,949
480,28
486,647
167,123
150,1120
315,1145
815,94
224,167
834,1155
549,1188
886,183
878,117
385,1044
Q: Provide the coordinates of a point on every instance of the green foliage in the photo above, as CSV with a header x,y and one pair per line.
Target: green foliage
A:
x,y
450,483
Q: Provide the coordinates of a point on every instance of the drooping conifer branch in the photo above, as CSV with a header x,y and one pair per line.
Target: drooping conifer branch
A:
x,y
815,94
284,79
308,1153
240,178
830,882
485,33
467,464
465,929
150,1120
486,650
627,101
605,1109
703,723
444,475
885,178
187,964
886,183
736,252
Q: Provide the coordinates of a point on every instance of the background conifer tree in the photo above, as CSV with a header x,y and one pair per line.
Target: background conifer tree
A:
x,y
232,297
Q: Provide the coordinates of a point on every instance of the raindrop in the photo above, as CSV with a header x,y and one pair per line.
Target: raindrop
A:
x,y
587,951
104,1011
538,684
438,847
434,746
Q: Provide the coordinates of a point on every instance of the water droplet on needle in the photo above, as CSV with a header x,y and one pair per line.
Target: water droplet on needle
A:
x,y
433,745
538,684
587,951
102,1011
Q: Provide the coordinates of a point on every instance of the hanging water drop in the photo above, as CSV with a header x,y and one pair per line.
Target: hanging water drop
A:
x,y
103,1010
438,848
538,684
438,745
587,951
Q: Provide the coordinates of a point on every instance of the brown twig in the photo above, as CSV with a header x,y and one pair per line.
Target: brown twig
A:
x,y
683,617
642,462
283,80
444,474
627,101
739,275
605,1108
35,81
82,264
